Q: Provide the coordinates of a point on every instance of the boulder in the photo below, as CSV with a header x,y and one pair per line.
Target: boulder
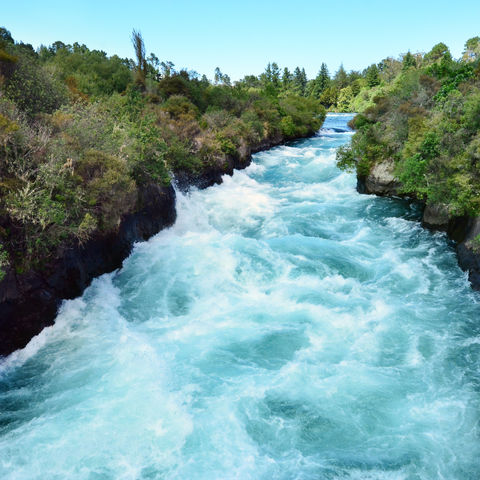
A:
x,y
381,180
436,216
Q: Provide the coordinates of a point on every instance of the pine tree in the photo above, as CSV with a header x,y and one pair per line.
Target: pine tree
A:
x,y
408,61
323,78
286,79
275,75
341,78
300,81
321,82
371,76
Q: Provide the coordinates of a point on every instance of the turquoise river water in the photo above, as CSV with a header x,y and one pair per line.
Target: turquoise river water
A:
x,y
285,327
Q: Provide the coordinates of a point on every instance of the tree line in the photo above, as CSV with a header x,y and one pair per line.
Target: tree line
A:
x,y
82,133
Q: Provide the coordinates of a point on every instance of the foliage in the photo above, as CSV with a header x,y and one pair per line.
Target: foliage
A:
x,y
34,88
426,118
141,66
372,76
345,159
475,242
81,133
4,262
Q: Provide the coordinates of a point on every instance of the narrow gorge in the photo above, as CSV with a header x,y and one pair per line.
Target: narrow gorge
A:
x,y
285,326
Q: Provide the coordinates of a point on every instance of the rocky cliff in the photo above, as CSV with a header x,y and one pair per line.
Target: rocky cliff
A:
x,y
29,301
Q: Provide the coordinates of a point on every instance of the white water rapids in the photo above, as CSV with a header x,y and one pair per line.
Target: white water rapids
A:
x,y
285,327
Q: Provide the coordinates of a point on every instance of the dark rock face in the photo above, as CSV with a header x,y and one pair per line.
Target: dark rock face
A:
x,y
462,230
29,302
468,253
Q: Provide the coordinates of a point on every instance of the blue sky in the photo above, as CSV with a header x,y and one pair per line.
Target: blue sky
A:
x,y
241,37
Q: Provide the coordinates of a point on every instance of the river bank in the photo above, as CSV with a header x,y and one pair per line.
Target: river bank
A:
x,y
29,301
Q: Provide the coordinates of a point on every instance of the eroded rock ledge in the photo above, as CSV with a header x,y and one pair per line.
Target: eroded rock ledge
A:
x,y
29,301
463,230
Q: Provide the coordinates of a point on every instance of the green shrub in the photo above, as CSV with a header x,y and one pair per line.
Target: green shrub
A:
x,y
412,174
345,159
35,89
226,145
4,262
179,106
179,157
109,190
287,126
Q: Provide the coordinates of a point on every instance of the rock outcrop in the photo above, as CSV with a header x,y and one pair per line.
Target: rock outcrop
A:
x,y
436,216
380,181
468,252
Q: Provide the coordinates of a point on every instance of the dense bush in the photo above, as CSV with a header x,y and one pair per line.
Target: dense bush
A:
x,y
81,133
427,120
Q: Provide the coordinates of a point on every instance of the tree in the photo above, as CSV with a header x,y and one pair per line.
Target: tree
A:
x,y
323,78
472,49
271,78
371,76
353,76
408,61
153,64
250,81
300,80
153,61
345,98
438,52
57,46
221,78
321,82
266,76
275,75
329,97
7,60
389,68
167,68
357,85
341,79
287,79
5,37
141,66
217,76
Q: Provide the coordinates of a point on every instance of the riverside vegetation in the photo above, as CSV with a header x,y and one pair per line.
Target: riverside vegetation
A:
x,y
423,119
89,146
82,133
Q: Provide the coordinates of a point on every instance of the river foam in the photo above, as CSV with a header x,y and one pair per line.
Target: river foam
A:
x,y
285,327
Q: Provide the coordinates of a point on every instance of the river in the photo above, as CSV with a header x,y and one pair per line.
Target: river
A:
x,y
285,327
